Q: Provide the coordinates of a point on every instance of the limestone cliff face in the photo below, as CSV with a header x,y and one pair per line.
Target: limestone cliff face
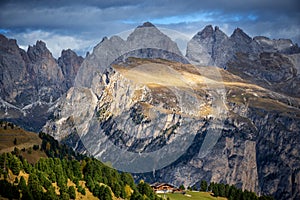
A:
x,y
141,107
253,153
31,81
145,108
69,63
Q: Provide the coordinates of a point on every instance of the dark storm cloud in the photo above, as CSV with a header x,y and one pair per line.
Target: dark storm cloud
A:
x,y
86,22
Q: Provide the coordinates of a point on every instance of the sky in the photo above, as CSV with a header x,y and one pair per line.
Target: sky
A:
x,y
81,24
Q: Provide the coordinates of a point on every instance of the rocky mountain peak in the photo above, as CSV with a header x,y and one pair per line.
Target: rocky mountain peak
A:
x,y
277,45
239,35
146,36
38,51
69,54
104,39
204,46
31,81
146,24
9,45
2,38
69,63
219,34
206,32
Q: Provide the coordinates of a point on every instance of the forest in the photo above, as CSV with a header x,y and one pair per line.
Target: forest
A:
x,y
50,177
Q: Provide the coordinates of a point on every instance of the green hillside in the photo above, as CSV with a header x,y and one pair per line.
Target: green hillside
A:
x,y
60,173
193,196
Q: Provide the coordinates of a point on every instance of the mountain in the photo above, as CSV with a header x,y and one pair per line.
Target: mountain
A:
x,y
143,37
142,107
32,81
211,46
227,112
273,64
146,41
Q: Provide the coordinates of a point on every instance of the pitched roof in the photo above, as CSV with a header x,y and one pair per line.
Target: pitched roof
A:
x,y
157,184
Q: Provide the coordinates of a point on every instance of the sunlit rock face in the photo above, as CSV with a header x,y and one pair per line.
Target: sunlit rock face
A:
x,y
109,49
145,107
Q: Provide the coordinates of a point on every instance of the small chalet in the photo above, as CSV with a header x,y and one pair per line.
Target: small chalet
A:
x,y
164,188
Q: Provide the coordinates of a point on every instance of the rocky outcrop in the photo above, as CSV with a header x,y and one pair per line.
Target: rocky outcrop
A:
x,y
158,118
272,64
69,63
46,75
275,71
148,36
213,47
208,47
145,41
280,46
32,81
143,37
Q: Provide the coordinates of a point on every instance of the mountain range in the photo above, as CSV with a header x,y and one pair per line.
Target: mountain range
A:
x,y
228,111
32,81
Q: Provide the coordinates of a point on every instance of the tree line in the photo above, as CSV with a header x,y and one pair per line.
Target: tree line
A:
x,y
231,192
62,164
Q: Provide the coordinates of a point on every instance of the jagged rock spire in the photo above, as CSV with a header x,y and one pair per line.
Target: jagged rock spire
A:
x,y
146,24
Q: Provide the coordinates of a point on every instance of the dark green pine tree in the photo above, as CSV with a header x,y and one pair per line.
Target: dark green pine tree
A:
x,y
221,187
116,188
215,190
22,184
26,194
76,169
72,192
81,190
96,191
15,165
145,189
104,193
90,184
203,186
232,193
182,187
210,187
16,180
136,196
50,194
128,179
27,167
34,186
64,196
